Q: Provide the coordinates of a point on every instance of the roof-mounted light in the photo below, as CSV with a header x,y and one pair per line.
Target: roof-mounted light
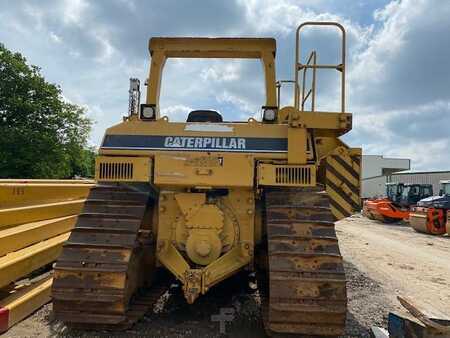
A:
x,y
269,114
147,112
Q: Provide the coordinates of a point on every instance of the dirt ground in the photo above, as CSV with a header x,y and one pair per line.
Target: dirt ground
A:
x,y
381,261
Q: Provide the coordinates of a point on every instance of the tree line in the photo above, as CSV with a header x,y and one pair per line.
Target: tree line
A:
x,y
41,134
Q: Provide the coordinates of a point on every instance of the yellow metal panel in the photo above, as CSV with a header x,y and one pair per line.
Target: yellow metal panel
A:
x,y
21,236
123,169
28,214
297,146
319,119
162,127
343,170
21,194
25,300
20,263
201,169
286,175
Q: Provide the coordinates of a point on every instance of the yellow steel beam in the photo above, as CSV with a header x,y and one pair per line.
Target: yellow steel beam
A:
x,y
20,263
44,181
22,215
23,302
193,47
21,194
21,236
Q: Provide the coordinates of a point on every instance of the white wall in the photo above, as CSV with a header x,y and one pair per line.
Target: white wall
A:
x,y
373,187
377,165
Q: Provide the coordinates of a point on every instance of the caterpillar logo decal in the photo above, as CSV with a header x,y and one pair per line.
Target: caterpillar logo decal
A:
x,y
205,142
343,168
195,143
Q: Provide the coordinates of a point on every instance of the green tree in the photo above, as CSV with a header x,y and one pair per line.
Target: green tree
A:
x,y
41,135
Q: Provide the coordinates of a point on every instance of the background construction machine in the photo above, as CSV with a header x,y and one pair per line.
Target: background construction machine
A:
x,y
399,199
433,213
205,199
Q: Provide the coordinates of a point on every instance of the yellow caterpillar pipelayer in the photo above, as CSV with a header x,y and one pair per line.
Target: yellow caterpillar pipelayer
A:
x,y
207,198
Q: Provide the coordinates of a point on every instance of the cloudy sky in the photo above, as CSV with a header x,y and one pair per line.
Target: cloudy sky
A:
x,y
398,84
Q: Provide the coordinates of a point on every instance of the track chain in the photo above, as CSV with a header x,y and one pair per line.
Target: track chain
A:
x,y
100,274
304,290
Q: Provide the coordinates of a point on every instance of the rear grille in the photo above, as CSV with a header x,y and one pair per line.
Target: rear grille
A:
x,y
293,175
286,175
123,169
116,171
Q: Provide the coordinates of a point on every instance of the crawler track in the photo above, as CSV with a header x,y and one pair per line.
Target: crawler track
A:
x,y
100,272
304,289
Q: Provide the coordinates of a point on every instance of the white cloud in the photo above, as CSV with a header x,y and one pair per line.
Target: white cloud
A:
x,y
176,113
55,38
73,11
247,108
229,71
407,59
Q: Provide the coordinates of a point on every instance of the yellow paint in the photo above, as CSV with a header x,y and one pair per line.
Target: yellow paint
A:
x,y
28,214
286,175
21,236
297,150
123,169
25,300
20,263
222,170
16,194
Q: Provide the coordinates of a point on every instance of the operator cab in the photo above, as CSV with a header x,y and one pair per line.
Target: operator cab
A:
x,y
413,193
204,116
394,191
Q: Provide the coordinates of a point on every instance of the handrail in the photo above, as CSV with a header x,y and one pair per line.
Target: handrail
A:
x,y
278,85
312,58
303,67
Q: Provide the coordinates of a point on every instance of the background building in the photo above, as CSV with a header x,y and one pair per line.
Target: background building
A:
x,y
430,177
377,170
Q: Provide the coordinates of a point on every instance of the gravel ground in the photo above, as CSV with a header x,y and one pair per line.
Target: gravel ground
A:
x,y
375,269
178,319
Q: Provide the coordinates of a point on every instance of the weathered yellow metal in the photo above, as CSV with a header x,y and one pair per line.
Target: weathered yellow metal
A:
x,y
297,145
123,169
181,169
21,236
205,232
23,301
15,194
20,263
33,213
343,167
248,48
